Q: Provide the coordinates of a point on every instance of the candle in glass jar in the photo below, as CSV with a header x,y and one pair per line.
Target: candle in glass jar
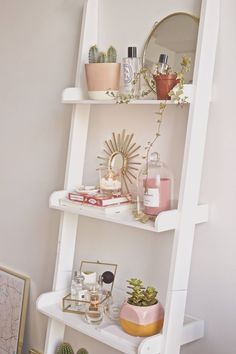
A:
x,y
110,181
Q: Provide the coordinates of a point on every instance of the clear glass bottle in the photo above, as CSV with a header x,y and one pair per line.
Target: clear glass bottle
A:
x,y
155,183
131,65
161,67
73,285
101,290
81,292
94,310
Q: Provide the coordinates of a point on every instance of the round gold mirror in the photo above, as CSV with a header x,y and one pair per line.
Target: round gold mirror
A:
x,y
121,154
116,161
176,36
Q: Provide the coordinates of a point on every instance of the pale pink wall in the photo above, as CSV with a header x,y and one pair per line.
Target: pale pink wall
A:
x,y
38,46
212,291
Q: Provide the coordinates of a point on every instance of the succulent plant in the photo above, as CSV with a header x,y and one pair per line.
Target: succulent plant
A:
x,y
65,348
82,351
102,57
93,54
141,296
111,54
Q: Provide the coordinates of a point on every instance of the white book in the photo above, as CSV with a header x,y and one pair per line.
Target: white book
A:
x,y
107,210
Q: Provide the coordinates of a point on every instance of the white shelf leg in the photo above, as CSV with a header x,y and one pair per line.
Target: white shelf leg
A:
x,y
89,37
68,222
174,322
191,177
77,146
55,335
65,251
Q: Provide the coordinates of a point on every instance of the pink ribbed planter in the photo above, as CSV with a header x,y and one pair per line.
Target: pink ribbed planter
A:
x,y
102,77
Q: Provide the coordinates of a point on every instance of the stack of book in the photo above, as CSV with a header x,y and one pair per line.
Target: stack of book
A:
x,y
108,204
99,199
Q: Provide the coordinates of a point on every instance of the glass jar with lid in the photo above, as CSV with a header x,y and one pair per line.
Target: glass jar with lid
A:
x,y
155,183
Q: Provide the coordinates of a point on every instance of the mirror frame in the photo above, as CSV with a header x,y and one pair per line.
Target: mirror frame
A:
x,y
112,157
156,25
124,145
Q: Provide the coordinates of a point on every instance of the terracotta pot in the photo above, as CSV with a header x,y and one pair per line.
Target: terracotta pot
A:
x,y
164,84
141,321
102,77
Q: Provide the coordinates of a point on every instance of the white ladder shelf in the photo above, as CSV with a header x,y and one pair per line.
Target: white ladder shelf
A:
x,y
178,328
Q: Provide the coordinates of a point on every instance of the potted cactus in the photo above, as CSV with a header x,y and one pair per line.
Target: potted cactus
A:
x,y
102,72
82,351
64,348
142,314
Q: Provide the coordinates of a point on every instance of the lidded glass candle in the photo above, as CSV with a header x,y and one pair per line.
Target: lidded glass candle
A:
x,y
155,183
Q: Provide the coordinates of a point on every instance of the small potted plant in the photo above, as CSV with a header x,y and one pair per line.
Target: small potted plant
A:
x,y
142,314
102,72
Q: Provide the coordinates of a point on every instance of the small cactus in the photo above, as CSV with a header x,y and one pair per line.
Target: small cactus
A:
x,y
65,348
102,57
93,54
111,55
82,351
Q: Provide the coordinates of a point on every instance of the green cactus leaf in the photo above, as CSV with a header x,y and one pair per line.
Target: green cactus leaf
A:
x,y
93,54
111,55
139,295
65,348
82,351
102,57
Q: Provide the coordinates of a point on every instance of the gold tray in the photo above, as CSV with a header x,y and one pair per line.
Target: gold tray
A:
x,y
78,306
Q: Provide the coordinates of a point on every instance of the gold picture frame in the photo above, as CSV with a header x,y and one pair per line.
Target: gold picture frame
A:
x,y
14,292
34,351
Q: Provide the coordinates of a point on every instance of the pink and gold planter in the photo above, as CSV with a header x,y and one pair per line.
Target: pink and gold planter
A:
x,y
142,321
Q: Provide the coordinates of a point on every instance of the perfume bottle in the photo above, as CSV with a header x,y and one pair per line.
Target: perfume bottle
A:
x,y
100,287
106,278
161,67
155,184
94,310
81,292
131,66
73,286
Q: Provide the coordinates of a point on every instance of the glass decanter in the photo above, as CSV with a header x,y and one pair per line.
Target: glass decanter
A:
x,y
155,182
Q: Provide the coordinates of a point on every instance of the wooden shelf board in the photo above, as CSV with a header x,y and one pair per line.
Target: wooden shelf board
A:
x,y
72,95
109,332
165,221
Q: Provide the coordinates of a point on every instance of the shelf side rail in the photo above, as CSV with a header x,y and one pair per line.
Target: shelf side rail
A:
x,y
191,176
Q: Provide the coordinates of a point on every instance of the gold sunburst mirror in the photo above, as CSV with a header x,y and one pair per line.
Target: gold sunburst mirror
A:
x,y
121,154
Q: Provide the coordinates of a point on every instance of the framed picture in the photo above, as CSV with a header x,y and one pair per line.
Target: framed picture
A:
x,y
14,291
